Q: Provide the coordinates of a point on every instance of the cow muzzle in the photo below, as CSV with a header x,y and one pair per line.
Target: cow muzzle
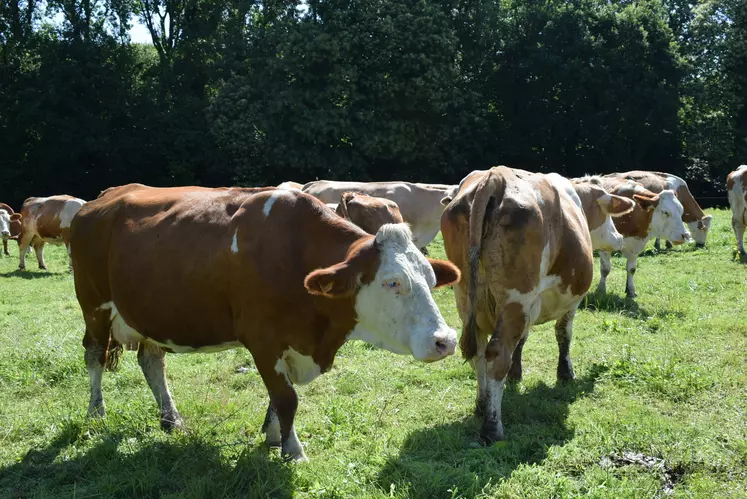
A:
x,y
5,234
444,344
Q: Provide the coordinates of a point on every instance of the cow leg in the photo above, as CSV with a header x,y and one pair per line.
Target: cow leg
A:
x,y
563,334
5,247
95,357
605,265
24,244
514,373
738,227
630,284
153,363
39,250
669,245
271,427
657,244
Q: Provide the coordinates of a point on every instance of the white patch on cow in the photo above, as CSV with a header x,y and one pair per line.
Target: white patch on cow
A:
x,y
297,368
564,185
666,221
188,349
4,225
531,302
71,208
121,331
273,198
235,242
606,237
396,311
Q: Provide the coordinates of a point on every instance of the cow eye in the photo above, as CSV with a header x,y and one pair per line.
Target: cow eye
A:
x,y
393,284
666,214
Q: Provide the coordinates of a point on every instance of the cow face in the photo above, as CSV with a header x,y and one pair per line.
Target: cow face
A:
x,y
393,301
699,230
666,219
604,234
4,225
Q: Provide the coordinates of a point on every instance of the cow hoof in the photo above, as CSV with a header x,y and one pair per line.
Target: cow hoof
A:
x,y
274,444
296,458
42,267
631,295
171,422
669,245
566,375
491,434
21,268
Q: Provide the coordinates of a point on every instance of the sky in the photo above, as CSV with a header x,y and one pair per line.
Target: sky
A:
x,y
139,33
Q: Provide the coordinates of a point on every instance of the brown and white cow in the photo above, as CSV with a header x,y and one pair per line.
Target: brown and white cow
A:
x,y
697,221
191,269
654,215
367,212
46,220
419,204
291,185
10,225
736,186
522,243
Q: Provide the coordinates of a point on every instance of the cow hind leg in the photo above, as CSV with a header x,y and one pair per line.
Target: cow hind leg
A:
x,y
153,363
657,244
271,427
481,371
95,357
738,227
563,334
24,245
39,249
515,372
630,283
605,265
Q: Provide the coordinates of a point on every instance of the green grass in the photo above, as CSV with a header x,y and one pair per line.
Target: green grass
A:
x,y
664,375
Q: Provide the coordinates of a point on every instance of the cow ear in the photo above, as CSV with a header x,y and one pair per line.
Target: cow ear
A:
x,y
446,200
446,272
337,281
615,205
647,203
15,216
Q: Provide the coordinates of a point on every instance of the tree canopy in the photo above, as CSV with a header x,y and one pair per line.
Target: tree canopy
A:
x,y
242,92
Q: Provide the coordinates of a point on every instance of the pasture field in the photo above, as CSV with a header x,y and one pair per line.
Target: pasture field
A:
x,y
663,377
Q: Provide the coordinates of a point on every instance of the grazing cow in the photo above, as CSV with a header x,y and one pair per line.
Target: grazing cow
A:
x,y
419,204
368,213
654,215
522,244
46,220
599,208
736,186
698,222
192,269
291,185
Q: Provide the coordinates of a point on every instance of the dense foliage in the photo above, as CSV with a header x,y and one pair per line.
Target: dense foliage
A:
x,y
244,92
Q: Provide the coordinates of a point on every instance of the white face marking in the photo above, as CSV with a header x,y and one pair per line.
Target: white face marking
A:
x,y
666,222
4,225
396,311
297,368
68,212
235,242
274,197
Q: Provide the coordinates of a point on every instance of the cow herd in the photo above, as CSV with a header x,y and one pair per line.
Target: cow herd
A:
x,y
293,272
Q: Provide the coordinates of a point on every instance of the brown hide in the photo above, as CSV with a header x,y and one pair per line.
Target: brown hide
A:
x,y
367,212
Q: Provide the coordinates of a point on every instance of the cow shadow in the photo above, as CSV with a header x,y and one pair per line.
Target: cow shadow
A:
x,y
29,275
444,459
118,466
608,302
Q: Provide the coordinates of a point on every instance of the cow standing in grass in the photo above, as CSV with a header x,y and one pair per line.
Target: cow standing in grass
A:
x,y
522,243
736,186
191,269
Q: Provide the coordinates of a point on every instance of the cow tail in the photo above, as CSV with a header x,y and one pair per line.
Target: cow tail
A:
x,y
488,188
113,353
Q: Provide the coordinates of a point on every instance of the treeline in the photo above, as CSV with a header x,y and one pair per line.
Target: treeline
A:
x,y
254,93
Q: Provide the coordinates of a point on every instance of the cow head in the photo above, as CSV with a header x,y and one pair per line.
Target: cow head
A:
x,y
4,225
666,219
699,230
391,282
599,207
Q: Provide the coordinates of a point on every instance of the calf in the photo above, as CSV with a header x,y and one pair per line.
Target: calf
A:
x,y
269,269
736,186
599,207
654,215
521,239
698,222
419,204
367,212
46,220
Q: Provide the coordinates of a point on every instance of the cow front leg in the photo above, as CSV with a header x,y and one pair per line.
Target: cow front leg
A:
x,y
271,427
738,227
563,334
153,363
630,283
39,250
605,265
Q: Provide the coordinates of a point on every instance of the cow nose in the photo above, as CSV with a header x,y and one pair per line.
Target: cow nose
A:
x,y
445,345
5,233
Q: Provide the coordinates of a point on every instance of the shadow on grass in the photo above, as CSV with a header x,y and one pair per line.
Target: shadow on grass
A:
x,y
26,274
608,302
120,466
449,456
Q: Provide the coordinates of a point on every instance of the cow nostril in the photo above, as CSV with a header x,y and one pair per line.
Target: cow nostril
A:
x,y
441,346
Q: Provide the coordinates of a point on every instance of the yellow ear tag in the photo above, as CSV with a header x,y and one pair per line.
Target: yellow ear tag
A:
x,y
326,287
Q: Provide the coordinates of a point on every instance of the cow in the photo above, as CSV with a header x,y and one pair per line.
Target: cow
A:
x,y
269,269
367,212
599,207
654,215
419,204
291,185
10,225
697,221
522,244
736,186
45,220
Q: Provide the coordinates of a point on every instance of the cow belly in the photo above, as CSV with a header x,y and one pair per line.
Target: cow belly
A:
x,y
555,304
